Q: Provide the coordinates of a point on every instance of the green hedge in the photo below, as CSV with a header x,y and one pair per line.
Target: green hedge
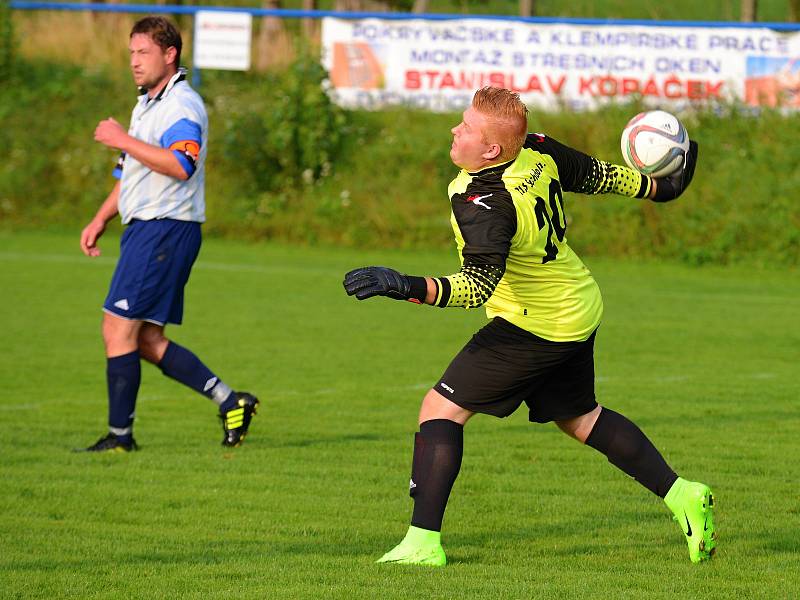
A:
x,y
7,43
286,164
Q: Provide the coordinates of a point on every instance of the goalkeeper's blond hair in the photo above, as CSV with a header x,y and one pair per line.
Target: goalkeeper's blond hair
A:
x,y
507,116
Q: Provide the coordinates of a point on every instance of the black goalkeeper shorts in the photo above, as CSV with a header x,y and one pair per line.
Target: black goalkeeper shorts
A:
x,y
503,366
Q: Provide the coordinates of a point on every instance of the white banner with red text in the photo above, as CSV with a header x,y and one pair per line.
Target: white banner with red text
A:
x,y
438,65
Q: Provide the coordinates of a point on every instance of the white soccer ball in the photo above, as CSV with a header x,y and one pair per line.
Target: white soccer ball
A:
x,y
654,143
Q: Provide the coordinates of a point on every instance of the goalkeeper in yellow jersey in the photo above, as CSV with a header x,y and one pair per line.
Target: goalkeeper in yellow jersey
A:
x,y
545,307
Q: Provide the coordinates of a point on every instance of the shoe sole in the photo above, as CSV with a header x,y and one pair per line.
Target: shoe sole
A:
x,y
409,561
437,559
713,536
106,451
401,562
708,501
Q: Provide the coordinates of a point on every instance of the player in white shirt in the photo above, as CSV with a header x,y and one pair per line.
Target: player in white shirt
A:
x,y
160,197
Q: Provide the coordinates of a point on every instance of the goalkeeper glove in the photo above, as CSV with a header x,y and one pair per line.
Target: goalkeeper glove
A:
x,y
670,187
367,282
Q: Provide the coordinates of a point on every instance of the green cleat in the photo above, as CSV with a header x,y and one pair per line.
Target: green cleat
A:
x,y
692,504
419,547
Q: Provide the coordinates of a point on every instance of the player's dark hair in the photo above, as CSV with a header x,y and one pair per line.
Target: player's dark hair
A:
x,y
162,31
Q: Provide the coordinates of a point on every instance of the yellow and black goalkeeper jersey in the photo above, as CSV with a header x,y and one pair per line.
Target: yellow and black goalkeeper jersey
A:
x,y
510,230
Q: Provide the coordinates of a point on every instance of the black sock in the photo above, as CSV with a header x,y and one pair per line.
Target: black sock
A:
x,y
123,374
437,459
628,449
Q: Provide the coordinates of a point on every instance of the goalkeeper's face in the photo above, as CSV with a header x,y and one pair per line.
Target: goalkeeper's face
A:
x,y
471,149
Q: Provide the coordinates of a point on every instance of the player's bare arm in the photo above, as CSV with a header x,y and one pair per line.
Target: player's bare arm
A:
x,y
92,232
161,160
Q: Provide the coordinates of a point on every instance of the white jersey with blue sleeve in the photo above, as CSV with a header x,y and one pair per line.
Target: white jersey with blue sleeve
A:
x,y
176,119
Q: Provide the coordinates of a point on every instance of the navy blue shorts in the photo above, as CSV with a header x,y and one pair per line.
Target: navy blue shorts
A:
x,y
155,260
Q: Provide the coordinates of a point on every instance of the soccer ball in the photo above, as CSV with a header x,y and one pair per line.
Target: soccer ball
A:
x,y
654,143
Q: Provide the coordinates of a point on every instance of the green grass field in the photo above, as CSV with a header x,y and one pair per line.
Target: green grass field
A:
x,y
704,360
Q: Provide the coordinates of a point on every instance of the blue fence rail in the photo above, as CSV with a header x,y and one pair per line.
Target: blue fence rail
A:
x,y
395,16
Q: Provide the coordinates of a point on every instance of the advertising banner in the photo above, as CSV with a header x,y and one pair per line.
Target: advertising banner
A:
x,y
437,65
222,40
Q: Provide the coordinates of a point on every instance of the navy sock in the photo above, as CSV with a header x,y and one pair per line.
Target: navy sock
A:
x,y
438,448
123,373
628,449
182,365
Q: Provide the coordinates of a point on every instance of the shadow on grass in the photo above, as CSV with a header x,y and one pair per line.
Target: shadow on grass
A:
x,y
577,536
782,542
317,440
